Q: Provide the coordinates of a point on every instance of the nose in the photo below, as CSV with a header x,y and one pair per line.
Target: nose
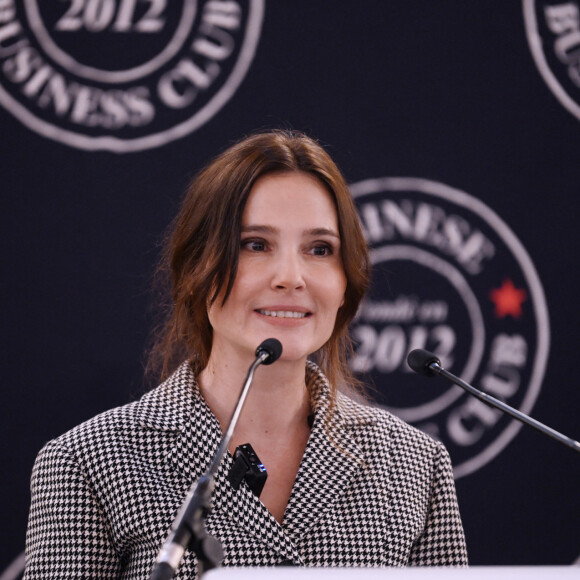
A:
x,y
288,272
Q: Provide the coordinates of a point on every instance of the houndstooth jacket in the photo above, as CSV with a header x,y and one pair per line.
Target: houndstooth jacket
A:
x,y
370,491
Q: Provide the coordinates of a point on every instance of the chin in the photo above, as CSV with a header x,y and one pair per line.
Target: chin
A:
x,y
292,357
295,352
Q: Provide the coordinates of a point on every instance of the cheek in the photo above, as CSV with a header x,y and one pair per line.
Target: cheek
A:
x,y
336,289
342,285
218,311
247,274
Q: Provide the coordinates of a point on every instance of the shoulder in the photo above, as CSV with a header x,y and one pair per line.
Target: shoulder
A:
x,y
93,433
119,431
372,426
380,431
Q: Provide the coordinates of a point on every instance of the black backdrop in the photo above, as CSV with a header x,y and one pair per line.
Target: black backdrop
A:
x,y
444,91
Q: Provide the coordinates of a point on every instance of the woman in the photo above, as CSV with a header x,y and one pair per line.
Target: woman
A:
x,y
267,244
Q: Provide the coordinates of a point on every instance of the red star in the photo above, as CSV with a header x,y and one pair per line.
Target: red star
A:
x,y
508,300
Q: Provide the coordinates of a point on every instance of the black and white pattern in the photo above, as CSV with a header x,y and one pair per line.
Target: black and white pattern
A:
x,y
371,491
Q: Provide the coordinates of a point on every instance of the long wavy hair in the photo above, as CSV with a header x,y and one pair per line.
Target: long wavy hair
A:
x,y
201,249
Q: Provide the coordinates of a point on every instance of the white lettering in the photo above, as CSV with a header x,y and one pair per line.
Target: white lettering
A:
x,y
433,311
223,13
22,65
404,309
385,349
428,224
371,223
7,11
10,29
82,105
111,15
567,47
474,251
141,110
509,350
502,383
562,18
35,83
399,218
56,93
217,44
564,21
508,354
179,87
467,424
84,111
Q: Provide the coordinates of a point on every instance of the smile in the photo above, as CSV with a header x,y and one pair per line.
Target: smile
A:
x,y
283,313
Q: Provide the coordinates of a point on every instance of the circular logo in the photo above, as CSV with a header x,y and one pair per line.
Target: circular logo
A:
x,y
553,31
449,276
123,75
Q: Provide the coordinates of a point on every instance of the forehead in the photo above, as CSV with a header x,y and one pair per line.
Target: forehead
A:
x,y
290,200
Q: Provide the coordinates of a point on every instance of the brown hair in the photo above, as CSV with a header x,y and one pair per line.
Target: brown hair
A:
x,y
201,251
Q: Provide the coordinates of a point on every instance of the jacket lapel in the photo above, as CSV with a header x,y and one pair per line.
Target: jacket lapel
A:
x,y
189,435
172,409
332,460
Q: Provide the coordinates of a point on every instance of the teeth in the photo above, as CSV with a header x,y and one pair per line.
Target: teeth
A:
x,y
283,313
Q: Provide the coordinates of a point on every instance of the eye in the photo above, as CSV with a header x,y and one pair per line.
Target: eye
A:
x,y
322,250
254,245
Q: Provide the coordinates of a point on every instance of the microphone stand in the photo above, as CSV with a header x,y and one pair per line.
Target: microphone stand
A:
x,y
428,364
188,529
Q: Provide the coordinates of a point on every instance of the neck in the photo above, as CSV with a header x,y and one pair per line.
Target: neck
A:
x,y
277,401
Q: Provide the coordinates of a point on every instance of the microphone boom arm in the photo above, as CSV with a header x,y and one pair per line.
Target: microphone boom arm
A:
x,y
435,367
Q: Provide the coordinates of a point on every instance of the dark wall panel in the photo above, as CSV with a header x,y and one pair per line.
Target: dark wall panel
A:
x,y
475,105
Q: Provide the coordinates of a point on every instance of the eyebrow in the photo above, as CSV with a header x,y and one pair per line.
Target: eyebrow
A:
x,y
272,230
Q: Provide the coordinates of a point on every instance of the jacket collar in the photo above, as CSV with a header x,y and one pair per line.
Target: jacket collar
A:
x,y
169,406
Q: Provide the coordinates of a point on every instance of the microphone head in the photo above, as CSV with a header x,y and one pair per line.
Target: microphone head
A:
x,y
272,347
420,360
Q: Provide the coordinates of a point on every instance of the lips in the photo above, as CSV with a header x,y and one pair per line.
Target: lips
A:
x,y
279,313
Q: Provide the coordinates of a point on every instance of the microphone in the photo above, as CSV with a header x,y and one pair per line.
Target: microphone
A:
x,y
426,363
271,348
420,360
188,529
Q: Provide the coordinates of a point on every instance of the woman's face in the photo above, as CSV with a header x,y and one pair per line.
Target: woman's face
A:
x,y
290,281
